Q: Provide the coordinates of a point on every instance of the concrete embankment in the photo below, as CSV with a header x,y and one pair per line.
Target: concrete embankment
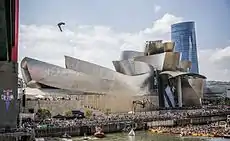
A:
x,y
81,130
186,121
119,126
16,136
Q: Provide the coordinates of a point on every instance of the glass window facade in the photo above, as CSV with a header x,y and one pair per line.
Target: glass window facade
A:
x,y
184,36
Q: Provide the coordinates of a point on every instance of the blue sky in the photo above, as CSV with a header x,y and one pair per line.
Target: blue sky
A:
x,y
212,17
132,22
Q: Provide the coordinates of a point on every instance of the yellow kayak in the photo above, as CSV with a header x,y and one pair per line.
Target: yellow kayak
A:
x,y
156,131
204,135
153,130
210,135
195,134
207,135
159,132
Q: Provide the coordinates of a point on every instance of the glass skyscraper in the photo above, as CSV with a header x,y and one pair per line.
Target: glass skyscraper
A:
x,y
184,36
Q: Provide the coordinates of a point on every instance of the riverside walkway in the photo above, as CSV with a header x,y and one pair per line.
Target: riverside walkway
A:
x,y
118,122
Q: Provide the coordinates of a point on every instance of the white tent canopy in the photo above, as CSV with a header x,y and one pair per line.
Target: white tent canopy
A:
x,y
39,96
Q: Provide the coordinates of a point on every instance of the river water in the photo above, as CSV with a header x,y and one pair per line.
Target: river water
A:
x,y
147,136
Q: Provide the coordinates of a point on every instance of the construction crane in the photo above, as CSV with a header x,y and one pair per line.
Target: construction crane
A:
x,y
142,103
138,102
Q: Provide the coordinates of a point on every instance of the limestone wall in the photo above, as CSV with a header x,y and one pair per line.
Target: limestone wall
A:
x,y
95,102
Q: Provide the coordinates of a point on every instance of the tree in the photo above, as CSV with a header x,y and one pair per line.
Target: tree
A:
x,y
227,101
43,114
88,113
68,114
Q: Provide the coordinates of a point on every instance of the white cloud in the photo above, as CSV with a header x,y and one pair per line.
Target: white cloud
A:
x,y
102,45
214,63
157,8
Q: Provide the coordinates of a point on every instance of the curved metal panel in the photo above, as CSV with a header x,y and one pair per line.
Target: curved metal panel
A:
x,y
192,91
128,54
124,67
130,67
73,80
157,61
197,84
156,47
171,61
26,76
162,61
88,68
153,47
58,77
185,65
168,46
135,82
179,73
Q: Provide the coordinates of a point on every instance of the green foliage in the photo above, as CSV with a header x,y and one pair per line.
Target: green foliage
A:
x,y
88,113
43,114
68,114
227,101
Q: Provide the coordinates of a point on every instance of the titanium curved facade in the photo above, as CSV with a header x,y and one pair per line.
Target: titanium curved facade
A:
x,y
128,54
192,90
100,80
54,76
135,82
156,72
184,36
88,68
192,86
156,47
185,65
173,74
162,61
130,67
74,78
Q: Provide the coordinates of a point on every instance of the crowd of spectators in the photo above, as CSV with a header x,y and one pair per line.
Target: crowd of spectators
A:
x,y
195,130
125,117
52,98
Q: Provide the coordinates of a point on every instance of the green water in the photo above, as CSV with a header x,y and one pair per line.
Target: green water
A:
x,y
147,136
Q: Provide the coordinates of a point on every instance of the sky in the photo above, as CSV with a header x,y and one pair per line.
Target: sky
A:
x,y
98,31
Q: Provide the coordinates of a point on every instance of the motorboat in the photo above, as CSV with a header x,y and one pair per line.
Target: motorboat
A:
x,y
131,133
99,133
